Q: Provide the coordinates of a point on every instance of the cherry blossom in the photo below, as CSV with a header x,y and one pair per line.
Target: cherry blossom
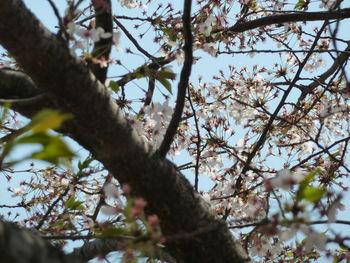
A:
x,y
95,34
19,191
132,4
333,210
314,239
206,27
111,191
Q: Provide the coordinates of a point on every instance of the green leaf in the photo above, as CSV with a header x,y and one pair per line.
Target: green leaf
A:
x,y
72,204
85,163
310,177
301,4
163,74
170,31
40,138
54,148
113,85
166,83
52,152
143,72
312,194
47,119
307,192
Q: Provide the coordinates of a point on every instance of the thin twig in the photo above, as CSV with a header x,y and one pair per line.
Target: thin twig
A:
x,y
70,237
150,91
338,62
198,143
135,74
133,40
324,150
102,200
59,18
287,222
48,212
59,198
282,51
135,18
183,83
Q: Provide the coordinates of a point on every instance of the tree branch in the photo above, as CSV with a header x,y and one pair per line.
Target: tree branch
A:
x,y
338,62
183,83
150,91
287,18
106,245
18,245
16,84
19,90
158,63
102,48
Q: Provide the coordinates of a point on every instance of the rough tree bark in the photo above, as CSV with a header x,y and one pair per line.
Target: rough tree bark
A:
x,y
20,246
99,126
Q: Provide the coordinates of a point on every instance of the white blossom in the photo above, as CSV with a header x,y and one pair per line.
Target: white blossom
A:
x,y
18,192
131,4
95,34
206,27
285,179
109,210
333,210
327,4
210,48
314,239
111,191
288,234
116,41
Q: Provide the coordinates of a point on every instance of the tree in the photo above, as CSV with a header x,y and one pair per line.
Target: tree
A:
x,y
295,111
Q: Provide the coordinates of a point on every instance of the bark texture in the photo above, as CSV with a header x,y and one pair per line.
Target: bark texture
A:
x,y
21,246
